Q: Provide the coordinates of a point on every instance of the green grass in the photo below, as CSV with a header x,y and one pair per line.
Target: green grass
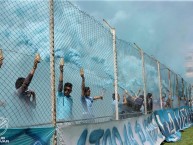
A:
x,y
187,138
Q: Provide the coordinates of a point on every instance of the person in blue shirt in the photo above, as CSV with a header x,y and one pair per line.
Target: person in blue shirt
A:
x,y
64,99
86,99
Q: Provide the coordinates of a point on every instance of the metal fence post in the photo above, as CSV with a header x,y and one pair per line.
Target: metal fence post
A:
x,y
177,91
144,77
170,89
115,73
144,81
160,84
115,69
182,89
52,68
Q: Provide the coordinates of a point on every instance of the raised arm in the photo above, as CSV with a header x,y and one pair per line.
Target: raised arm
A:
x,y
97,97
124,98
36,61
60,84
28,79
127,93
83,82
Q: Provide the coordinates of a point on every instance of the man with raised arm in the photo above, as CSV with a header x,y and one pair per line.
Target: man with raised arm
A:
x,y
86,99
64,99
22,85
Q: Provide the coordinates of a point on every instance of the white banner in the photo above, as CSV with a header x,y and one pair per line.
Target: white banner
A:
x,y
141,130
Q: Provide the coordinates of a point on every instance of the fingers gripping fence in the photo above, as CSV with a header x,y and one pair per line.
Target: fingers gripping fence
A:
x,y
79,63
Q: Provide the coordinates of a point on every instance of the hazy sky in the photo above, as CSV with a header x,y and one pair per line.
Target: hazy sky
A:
x,y
163,29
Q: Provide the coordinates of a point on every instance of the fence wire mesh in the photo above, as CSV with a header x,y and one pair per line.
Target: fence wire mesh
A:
x,y
174,89
130,79
186,97
85,44
24,32
181,90
190,94
83,58
152,81
165,82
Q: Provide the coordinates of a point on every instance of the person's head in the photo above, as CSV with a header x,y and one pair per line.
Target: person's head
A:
x,y
87,91
163,96
149,95
67,89
141,96
113,96
19,82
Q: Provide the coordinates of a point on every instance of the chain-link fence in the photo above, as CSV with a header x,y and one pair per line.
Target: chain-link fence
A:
x,y
174,89
85,44
152,81
130,79
181,91
84,69
186,95
165,82
25,87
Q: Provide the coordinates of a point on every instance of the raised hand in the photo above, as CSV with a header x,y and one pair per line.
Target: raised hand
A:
x,y
82,72
1,54
61,64
36,60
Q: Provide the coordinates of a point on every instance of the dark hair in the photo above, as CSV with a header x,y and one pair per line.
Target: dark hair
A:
x,y
67,85
19,82
149,95
163,95
141,96
86,89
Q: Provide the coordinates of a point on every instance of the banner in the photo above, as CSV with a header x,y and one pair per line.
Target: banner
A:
x,y
141,130
166,123
28,136
172,121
